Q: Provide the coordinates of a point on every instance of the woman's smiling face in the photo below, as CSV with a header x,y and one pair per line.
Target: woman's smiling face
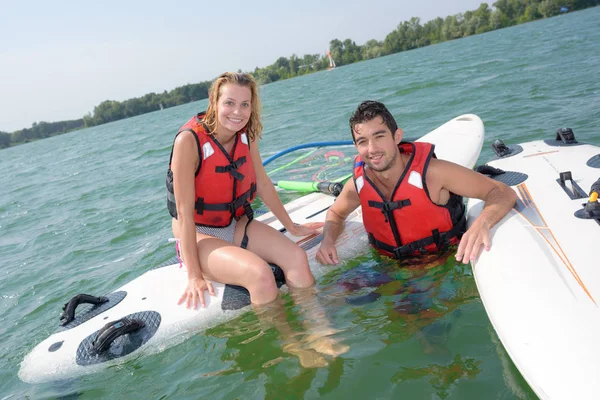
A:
x,y
234,108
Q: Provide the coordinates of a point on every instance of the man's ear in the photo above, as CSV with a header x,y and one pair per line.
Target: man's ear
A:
x,y
398,135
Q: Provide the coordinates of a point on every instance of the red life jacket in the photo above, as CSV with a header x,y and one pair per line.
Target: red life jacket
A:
x,y
410,224
225,184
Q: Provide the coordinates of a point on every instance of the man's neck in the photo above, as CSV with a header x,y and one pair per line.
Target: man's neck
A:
x,y
387,180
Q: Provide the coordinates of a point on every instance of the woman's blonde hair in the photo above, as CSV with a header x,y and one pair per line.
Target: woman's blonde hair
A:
x,y
254,126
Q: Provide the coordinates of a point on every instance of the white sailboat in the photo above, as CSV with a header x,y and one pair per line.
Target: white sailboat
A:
x,y
331,62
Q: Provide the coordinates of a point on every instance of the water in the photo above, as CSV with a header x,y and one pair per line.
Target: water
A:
x,y
85,213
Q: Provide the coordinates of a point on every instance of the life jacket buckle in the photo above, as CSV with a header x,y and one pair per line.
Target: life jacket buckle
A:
x,y
248,211
199,206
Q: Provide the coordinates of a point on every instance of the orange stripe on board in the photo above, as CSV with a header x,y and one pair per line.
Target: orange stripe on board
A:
x,y
526,199
522,196
306,239
574,272
534,205
566,262
559,252
541,154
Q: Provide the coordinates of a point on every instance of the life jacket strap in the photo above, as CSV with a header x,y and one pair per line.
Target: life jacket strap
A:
x,y
441,240
388,207
201,206
232,168
250,214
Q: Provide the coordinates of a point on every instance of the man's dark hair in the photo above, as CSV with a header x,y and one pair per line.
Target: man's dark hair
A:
x,y
368,110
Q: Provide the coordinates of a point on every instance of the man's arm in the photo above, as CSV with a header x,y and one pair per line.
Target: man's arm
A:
x,y
335,219
498,198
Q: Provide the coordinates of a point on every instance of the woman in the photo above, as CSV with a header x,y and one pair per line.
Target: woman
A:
x,y
214,174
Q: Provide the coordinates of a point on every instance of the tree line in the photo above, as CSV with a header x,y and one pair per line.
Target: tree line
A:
x,y
407,36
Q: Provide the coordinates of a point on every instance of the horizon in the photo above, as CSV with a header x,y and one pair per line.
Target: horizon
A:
x,y
118,56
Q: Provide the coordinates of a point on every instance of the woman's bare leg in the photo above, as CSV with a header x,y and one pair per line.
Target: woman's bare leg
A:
x,y
228,263
273,315
273,247
316,323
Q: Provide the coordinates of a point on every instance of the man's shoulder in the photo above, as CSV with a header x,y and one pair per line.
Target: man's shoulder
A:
x,y
442,169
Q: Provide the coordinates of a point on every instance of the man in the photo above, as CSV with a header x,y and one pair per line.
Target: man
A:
x,y
411,201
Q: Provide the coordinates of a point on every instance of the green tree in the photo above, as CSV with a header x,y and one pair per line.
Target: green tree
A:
x,y
4,140
371,49
293,65
483,13
351,52
549,8
336,49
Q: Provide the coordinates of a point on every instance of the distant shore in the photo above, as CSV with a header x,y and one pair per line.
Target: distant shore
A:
x,y
407,36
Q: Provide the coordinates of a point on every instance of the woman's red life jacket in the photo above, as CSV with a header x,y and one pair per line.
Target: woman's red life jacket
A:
x,y
225,184
409,224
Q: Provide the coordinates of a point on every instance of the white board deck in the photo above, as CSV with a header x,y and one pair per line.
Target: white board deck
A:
x,y
540,282
158,290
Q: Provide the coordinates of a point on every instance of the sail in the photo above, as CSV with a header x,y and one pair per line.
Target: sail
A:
x,y
313,162
331,62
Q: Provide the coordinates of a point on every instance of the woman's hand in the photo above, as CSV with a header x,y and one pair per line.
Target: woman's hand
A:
x,y
305,229
195,291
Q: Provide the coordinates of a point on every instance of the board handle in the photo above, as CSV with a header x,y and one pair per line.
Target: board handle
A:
x,y
113,330
69,308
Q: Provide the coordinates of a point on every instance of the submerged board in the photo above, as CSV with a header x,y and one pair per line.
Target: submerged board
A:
x,y
152,297
540,281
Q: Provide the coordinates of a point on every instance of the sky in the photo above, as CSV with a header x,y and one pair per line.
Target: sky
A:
x,y
60,59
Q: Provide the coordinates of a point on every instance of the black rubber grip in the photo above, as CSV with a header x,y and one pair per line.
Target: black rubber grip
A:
x,y
113,330
68,314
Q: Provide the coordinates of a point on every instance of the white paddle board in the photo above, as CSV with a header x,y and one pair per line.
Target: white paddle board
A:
x,y
152,297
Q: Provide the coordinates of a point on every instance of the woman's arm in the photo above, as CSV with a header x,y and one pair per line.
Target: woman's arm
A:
x,y
268,194
184,164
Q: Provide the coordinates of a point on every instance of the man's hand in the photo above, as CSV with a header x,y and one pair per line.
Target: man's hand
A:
x,y
327,254
470,245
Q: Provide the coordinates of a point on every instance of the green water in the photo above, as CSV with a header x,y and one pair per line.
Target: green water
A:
x,y
86,212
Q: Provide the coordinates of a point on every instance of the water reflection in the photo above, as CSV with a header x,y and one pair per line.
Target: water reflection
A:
x,y
441,377
370,299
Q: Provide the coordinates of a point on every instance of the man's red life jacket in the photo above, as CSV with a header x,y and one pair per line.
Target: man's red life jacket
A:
x,y
409,224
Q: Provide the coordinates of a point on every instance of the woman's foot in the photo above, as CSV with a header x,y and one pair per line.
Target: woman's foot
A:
x,y
326,345
308,358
